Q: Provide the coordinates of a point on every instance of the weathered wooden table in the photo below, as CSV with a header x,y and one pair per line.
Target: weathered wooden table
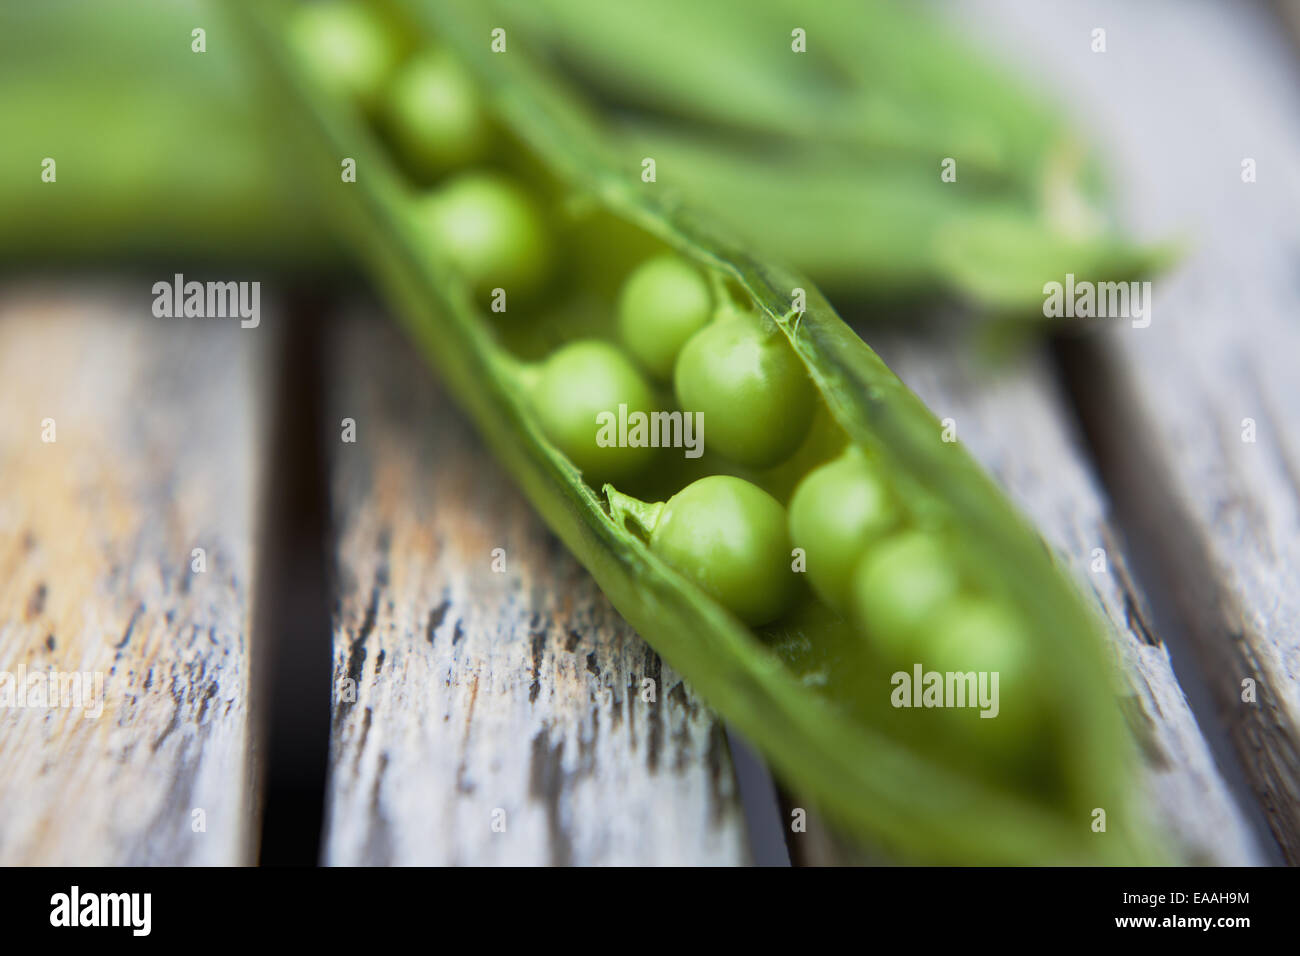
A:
x,y
379,641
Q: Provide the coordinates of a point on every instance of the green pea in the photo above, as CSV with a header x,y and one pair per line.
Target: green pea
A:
x,y
979,634
346,47
492,231
662,304
730,538
836,512
575,393
986,636
897,584
435,114
754,392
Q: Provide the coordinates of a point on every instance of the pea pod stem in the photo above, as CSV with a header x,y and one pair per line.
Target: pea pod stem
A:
x,y
527,374
644,514
721,294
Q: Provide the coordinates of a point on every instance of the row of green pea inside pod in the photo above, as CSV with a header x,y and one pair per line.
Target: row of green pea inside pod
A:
x,y
429,110
864,554
847,532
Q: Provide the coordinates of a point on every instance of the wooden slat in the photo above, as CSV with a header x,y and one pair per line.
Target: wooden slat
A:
x,y
484,697
156,425
1185,93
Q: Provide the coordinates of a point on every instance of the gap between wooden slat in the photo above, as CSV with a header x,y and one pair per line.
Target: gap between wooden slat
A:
x,y
294,611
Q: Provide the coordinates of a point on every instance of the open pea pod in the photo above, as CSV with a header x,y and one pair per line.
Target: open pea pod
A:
x,y
809,686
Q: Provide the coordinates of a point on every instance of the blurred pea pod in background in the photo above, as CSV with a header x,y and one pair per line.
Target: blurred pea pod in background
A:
x,y
162,149
156,148
846,145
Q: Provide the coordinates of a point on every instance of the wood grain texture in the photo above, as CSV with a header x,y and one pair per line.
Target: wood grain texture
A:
x,y
156,432
1185,94
485,697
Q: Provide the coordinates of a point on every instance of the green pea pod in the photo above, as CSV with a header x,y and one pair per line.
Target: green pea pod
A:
x,y
888,227
157,149
803,687
878,77
842,144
